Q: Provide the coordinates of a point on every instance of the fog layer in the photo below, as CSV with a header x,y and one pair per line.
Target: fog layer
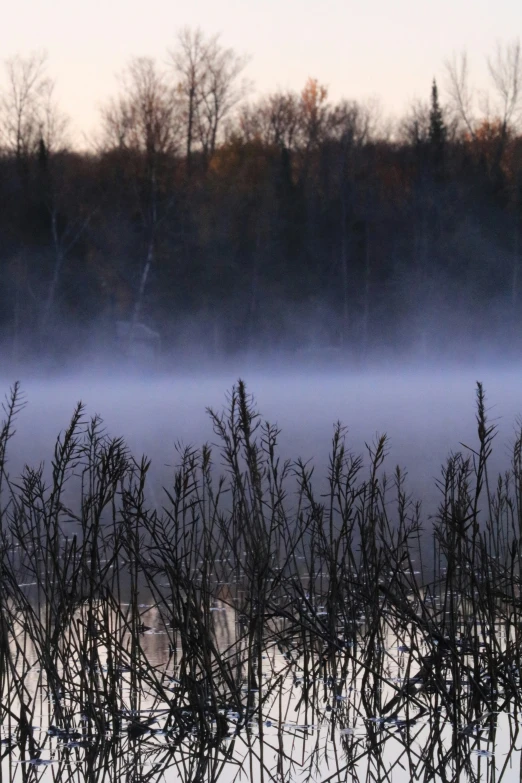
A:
x,y
426,414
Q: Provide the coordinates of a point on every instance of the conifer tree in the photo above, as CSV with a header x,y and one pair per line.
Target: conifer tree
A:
x,y
437,130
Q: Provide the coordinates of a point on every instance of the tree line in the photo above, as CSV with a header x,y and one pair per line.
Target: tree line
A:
x,y
228,223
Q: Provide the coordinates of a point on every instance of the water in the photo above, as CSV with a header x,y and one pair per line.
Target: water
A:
x,y
313,712
426,413
332,734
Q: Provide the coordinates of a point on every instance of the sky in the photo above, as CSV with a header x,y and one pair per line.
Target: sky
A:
x,y
360,49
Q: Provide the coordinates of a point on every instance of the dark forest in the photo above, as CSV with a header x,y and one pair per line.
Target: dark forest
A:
x,y
203,219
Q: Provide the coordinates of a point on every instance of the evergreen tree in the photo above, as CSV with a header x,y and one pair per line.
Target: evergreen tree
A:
x,y
437,130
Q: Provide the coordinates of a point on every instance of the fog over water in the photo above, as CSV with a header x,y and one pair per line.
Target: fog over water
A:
x,y
426,413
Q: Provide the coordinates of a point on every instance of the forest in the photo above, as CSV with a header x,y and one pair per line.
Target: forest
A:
x,y
220,222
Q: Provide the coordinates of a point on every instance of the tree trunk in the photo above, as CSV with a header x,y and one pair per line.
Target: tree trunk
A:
x,y
138,306
344,268
366,293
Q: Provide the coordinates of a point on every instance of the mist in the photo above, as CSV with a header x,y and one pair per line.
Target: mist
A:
x,y
426,412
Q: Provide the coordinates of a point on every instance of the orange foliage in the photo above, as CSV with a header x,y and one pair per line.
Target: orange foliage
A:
x,y
488,132
245,163
313,97
494,143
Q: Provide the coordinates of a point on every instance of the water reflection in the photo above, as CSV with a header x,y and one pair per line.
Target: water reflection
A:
x,y
379,710
230,635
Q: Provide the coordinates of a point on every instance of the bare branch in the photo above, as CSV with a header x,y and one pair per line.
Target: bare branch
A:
x,y
144,117
22,103
506,72
207,84
459,90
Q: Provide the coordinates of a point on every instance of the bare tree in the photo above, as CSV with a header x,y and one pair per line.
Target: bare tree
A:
x,y
207,83
414,127
274,120
505,69
145,121
288,119
189,64
461,95
54,124
506,73
28,112
144,117
21,103
352,122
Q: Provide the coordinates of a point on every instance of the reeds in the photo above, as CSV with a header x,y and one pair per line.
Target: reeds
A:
x,y
293,634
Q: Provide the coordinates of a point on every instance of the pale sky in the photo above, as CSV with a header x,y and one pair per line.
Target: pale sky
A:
x,y
360,49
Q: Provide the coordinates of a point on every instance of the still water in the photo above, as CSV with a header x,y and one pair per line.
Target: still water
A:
x,y
426,413
378,677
